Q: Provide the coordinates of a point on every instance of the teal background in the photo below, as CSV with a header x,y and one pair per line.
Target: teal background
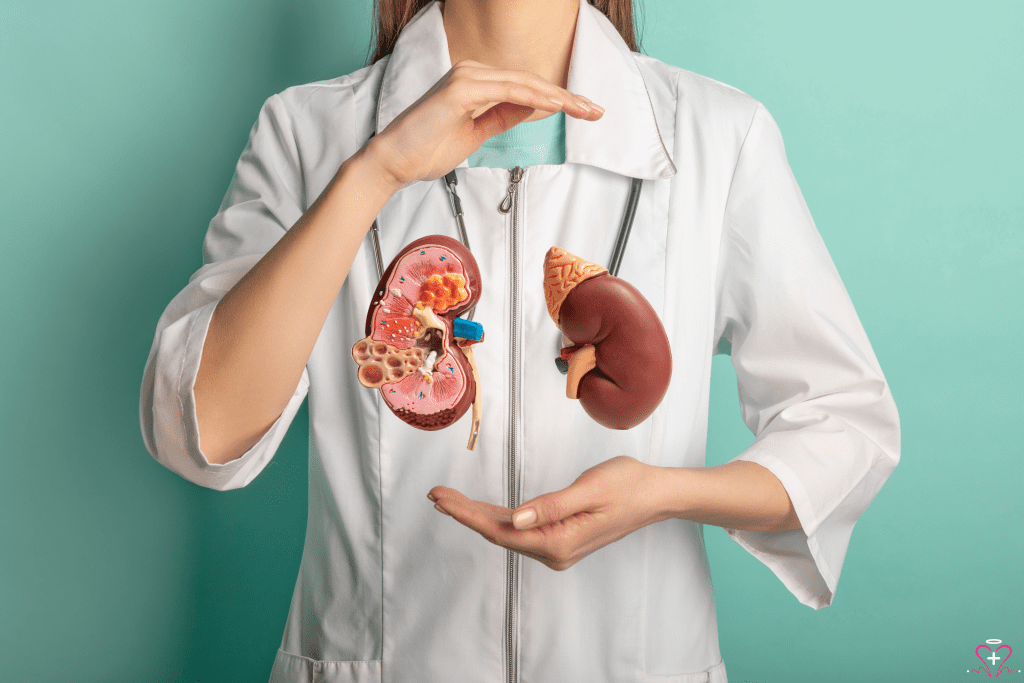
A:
x,y
121,125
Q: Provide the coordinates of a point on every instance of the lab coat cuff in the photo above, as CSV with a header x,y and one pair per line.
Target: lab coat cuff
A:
x,y
795,556
196,467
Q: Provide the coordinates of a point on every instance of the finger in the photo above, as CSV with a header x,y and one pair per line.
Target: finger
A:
x,y
500,532
543,559
492,521
558,545
498,119
484,85
477,71
439,494
485,93
551,543
492,525
554,507
499,510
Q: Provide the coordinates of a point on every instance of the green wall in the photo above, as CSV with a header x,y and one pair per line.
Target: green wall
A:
x,y
121,125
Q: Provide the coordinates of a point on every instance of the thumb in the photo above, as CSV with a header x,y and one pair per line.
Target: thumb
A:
x,y
500,118
552,507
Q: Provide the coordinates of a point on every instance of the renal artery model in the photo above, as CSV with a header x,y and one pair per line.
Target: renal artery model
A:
x,y
417,351
620,361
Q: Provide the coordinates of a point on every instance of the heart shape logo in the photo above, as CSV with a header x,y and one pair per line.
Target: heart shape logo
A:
x,y
993,658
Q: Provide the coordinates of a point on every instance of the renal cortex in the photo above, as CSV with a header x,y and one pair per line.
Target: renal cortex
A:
x,y
417,352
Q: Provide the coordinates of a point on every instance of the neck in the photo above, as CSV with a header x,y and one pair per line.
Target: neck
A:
x,y
528,35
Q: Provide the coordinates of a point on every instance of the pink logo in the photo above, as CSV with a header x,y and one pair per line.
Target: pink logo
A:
x,y
994,656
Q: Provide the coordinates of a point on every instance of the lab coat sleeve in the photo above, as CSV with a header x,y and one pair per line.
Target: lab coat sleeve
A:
x,y
810,387
261,203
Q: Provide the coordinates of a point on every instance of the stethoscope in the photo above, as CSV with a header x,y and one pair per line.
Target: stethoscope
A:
x,y
451,181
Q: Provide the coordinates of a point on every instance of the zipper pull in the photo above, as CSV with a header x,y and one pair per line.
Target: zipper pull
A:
x,y
506,203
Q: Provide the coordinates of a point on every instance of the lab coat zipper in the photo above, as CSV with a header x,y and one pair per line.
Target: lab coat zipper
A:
x,y
509,203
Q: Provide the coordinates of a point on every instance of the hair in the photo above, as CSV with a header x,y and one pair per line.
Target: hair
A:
x,y
393,15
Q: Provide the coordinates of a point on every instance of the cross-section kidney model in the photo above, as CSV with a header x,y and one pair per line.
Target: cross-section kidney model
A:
x,y
417,351
620,361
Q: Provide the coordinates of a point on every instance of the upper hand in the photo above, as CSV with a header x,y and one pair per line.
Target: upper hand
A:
x,y
438,131
605,503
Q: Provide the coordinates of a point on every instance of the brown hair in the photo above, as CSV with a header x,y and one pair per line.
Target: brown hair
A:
x,y
393,15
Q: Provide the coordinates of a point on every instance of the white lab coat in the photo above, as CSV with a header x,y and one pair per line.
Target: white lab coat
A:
x,y
723,247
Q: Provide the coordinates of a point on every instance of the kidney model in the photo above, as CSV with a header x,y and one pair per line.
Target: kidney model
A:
x,y
417,351
620,361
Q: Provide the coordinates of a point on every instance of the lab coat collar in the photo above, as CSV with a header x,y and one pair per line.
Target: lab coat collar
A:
x,y
626,140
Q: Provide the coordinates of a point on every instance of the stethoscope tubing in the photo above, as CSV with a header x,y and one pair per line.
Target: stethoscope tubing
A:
x,y
451,181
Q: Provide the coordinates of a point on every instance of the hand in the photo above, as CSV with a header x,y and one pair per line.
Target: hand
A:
x,y
437,131
605,503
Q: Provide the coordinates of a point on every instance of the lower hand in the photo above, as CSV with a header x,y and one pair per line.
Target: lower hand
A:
x,y
605,503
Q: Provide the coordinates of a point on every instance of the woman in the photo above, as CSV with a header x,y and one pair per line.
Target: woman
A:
x,y
610,580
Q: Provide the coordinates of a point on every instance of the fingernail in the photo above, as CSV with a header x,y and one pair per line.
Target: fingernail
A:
x,y
440,509
432,497
524,518
595,107
583,104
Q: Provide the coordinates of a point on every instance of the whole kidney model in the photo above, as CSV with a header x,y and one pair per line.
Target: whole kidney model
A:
x,y
620,361
417,351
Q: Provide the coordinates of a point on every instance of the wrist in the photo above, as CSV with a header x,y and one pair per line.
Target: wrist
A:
x,y
367,161
737,495
674,493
